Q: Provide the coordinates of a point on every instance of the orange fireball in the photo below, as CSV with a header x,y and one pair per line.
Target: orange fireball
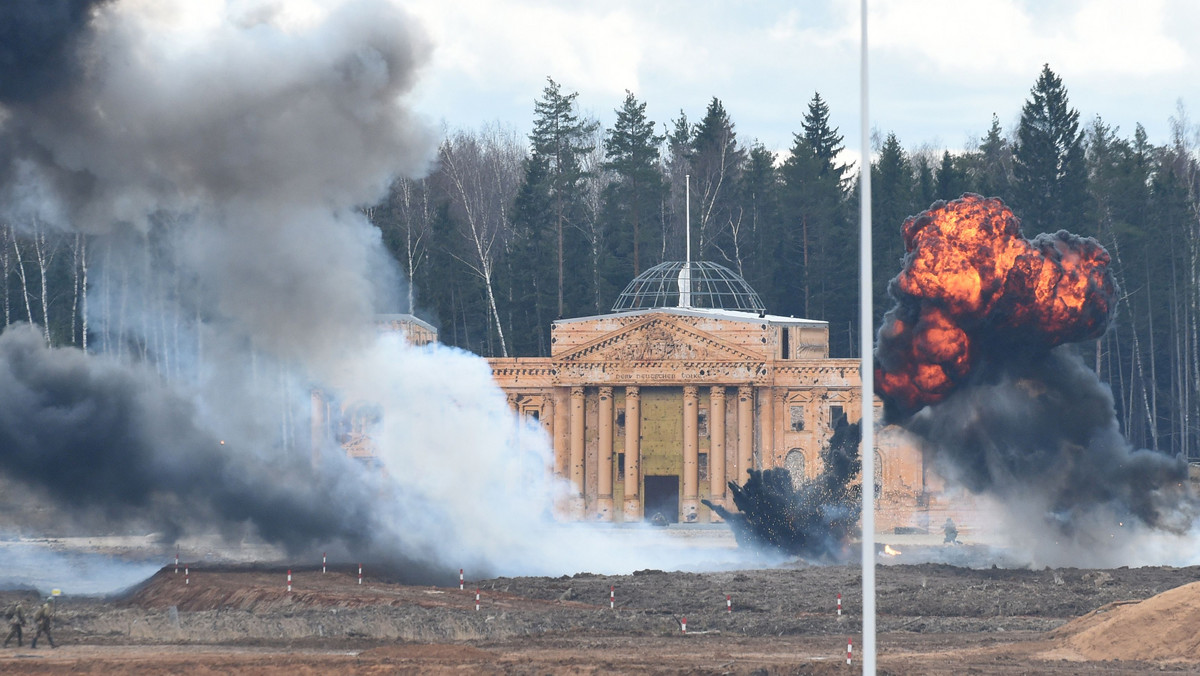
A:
x,y
972,287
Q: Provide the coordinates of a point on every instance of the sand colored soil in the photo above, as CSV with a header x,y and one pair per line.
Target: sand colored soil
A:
x,y
1165,627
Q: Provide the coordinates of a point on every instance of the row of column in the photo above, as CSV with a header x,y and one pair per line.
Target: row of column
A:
x,y
570,419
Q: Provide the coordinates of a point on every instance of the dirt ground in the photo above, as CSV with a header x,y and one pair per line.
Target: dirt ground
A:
x,y
932,619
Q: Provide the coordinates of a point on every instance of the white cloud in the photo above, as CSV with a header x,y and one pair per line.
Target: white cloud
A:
x,y
1084,37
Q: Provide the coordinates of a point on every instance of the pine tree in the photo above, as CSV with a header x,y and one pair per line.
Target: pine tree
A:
x,y
951,179
1049,165
991,174
891,202
716,163
632,197
814,209
561,139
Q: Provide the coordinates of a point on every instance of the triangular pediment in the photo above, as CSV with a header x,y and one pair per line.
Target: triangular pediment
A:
x,y
659,338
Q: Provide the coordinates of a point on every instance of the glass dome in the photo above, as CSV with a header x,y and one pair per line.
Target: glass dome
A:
x,y
712,286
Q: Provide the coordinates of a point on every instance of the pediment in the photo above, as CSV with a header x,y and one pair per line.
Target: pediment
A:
x,y
659,339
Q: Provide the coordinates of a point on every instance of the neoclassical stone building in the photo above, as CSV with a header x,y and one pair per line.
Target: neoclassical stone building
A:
x,y
659,404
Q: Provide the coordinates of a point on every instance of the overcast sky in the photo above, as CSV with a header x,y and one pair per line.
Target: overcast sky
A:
x,y
939,68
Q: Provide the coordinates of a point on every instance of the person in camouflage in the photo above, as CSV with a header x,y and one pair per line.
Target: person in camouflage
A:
x,y
16,620
41,620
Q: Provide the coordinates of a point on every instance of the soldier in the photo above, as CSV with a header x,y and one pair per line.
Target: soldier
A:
x,y
16,620
41,619
951,531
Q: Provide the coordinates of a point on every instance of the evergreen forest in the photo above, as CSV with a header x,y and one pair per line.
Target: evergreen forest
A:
x,y
508,233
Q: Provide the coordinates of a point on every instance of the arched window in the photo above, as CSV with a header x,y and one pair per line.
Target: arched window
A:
x,y
794,463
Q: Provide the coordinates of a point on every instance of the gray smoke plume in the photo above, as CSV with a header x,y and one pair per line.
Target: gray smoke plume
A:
x,y
215,156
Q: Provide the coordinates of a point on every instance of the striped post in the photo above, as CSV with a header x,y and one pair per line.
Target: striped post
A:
x,y
360,573
728,603
849,650
176,560
612,597
289,580
683,625
186,576
460,579
839,605
476,599
322,563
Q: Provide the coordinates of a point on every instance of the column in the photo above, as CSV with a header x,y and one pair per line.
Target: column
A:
x,y
576,468
633,454
767,399
691,451
745,432
604,474
562,444
716,447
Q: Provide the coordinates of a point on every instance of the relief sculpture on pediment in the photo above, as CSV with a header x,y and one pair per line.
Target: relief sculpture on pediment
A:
x,y
657,343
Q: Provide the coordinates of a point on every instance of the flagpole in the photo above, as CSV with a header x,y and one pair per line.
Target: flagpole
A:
x,y
867,372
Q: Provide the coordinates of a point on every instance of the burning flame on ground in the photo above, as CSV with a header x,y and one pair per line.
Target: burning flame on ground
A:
x,y
970,276
887,549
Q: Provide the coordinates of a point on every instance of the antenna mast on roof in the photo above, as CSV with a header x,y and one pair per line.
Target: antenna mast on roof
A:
x,y
685,274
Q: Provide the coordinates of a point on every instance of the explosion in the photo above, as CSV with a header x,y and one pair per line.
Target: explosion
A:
x,y
970,277
814,521
975,360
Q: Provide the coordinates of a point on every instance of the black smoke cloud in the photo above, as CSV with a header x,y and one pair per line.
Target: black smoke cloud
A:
x,y
39,40
1041,428
117,442
815,520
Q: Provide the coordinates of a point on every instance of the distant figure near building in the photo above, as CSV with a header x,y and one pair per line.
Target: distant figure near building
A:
x,y
951,531
16,620
41,619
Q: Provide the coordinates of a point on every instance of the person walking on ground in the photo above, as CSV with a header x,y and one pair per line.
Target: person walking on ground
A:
x,y
41,620
16,620
951,531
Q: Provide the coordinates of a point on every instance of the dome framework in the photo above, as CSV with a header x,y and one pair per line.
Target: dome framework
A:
x,y
704,284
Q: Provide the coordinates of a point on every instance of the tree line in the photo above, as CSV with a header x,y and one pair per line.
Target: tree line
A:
x,y
508,233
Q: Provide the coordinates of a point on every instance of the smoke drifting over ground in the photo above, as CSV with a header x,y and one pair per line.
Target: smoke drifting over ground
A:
x,y
215,156
975,360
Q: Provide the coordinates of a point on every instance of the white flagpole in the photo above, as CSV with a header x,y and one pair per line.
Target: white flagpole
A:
x,y
866,340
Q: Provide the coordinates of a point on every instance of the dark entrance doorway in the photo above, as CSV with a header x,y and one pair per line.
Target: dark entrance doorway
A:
x,y
662,497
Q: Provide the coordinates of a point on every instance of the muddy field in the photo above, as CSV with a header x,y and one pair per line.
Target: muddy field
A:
x,y
932,619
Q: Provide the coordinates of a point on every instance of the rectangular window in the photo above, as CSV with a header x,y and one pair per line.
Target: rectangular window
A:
x,y
621,419
620,467
797,418
702,422
837,416
702,466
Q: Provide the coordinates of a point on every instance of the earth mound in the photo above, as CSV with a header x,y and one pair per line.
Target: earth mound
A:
x,y
1162,628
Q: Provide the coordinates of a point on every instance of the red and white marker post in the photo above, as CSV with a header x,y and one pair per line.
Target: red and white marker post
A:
x,y
176,560
360,573
322,563
849,650
683,625
476,600
729,603
186,575
612,597
839,604
460,580
289,580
